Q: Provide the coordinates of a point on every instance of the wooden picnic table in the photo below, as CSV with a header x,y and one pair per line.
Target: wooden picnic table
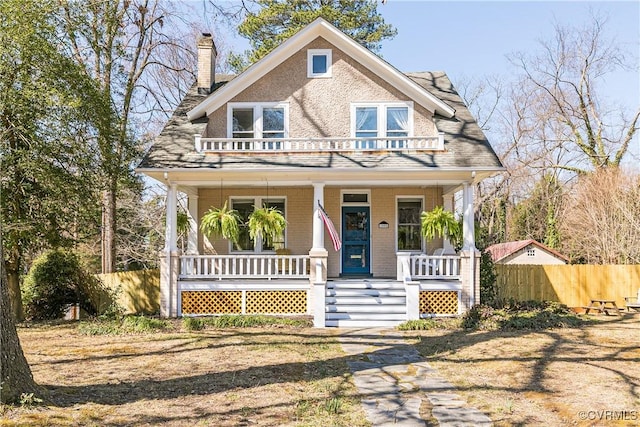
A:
x,y
602,306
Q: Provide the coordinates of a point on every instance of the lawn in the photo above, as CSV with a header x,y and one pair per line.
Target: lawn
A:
x,y
298,376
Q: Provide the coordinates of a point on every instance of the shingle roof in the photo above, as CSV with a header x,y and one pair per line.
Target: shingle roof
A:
x,y
500,251
466,146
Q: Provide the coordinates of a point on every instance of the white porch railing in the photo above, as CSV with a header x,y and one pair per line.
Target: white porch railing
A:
x,y
225,145
266,266
434,267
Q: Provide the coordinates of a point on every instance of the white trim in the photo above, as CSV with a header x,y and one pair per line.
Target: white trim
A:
x,y
319,52
258,108
257,201
321,28
397,222
355,191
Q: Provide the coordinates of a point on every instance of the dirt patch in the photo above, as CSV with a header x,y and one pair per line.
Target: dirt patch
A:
x,y
588,376
262,376
561,377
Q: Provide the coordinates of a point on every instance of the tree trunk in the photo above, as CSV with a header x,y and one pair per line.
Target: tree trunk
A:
x,y
13,285
109,231
15,374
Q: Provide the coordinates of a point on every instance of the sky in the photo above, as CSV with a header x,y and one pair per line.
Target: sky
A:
x,y
472,39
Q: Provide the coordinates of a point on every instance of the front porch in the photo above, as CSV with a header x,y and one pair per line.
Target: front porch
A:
x,y
426,286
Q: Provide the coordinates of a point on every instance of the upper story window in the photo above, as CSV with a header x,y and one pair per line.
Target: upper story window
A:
x,y
261,121
382,120
319,63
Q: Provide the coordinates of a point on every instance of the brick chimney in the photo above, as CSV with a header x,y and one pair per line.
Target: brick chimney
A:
x,y
206,63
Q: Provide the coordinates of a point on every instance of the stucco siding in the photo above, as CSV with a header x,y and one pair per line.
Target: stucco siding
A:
x,y
299,214
309,99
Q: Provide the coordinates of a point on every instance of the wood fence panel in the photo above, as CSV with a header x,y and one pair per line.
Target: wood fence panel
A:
x,y
573,285
138,292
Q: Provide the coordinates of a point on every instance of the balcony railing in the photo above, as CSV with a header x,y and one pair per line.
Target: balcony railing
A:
x,y
267,266
301,145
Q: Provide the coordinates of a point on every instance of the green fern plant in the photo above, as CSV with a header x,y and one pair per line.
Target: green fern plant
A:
x,y
267,223
441,223
221,222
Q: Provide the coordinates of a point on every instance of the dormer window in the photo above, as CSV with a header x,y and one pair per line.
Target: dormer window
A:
x,y
319,63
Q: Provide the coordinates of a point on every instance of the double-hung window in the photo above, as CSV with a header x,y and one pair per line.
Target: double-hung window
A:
x,y
409,236
385,123
248,121
245,206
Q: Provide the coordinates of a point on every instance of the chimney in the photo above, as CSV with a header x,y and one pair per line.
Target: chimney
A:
x,y
206,63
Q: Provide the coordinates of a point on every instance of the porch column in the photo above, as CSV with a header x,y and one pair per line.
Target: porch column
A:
x,y
468,232
318,227
469,255
447,203
318,255
192,236
169,259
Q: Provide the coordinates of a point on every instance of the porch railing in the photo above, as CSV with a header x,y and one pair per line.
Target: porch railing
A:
x,y
434,267
266,266
400,143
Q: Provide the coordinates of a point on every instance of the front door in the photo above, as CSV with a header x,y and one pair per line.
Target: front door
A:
x,y
355,240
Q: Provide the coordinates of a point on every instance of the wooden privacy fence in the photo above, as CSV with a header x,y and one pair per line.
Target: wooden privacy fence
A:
x,y
137,292
573,285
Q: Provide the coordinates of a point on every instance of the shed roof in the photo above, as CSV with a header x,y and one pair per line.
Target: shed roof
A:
x,y
500,251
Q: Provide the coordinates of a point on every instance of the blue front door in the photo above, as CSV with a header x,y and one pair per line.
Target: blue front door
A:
x,y
355,240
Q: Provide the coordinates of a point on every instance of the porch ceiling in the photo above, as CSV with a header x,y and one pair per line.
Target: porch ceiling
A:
x,y
203,178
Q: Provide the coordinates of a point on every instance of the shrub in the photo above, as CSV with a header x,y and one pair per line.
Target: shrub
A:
x,y
56,280
518,315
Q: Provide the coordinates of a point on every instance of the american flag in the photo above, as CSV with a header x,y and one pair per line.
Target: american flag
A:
x,y
333,233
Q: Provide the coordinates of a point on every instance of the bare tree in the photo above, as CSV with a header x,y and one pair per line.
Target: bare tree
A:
x,y
562,120
136,53
601,224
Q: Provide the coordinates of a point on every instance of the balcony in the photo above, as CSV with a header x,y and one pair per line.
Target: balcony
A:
x,y
306,145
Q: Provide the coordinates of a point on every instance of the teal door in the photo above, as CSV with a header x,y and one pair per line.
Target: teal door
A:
x,y
355,240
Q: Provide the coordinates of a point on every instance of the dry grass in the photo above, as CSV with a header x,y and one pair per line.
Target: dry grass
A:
x,y
559,377
232,377
288,376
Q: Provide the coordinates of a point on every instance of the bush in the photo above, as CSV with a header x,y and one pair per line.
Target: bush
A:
x,y
55,281
519,315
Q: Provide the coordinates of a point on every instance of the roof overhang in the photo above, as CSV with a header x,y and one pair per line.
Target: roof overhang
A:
x,y
321,28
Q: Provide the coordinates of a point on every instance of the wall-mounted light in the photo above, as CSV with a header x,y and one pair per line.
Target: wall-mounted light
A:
x,y
383,224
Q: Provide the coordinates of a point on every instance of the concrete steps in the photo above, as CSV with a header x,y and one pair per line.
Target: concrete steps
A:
x,y
360,303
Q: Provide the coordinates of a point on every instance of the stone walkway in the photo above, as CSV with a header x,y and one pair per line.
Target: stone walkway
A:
x,y
393,380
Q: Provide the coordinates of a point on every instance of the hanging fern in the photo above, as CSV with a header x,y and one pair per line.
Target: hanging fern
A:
x,y
441,223
221,222
266,223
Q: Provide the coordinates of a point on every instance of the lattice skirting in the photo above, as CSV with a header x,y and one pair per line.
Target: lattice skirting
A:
x,y
438,302
244,302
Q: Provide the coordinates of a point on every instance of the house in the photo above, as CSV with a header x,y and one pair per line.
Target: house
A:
x,y
525,252
321,123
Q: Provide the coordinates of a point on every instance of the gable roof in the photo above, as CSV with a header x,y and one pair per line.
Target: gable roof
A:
x,y
321,28
500,251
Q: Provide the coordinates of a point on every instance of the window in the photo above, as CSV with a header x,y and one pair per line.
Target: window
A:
x,y
409,235
245,207
319,63
531,252
380,121
260,121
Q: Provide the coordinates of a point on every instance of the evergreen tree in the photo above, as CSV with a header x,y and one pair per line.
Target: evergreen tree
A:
x,y
277,20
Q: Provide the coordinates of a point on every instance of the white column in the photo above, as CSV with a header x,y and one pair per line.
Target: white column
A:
x,y
192,237
468,237
318,228
171,229
447,203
